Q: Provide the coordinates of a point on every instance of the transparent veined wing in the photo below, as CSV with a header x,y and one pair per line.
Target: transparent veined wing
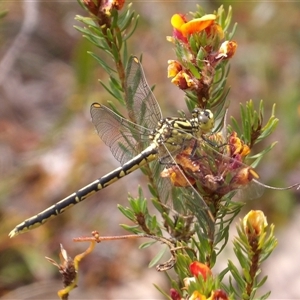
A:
x,y
141,103
120,135
216,166
125,138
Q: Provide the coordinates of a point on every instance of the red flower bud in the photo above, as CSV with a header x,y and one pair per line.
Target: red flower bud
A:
x,y
174,294
197,268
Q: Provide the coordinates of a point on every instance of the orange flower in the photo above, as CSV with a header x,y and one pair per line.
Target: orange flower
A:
x,y
237,146
177,21
197,25
177,177
174,67
215,28
183,80
183,29
243,177
178,174
118,4
197,268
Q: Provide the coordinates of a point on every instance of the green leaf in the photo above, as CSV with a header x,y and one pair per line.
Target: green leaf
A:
x,y
258,157
134,229
112,92
268,129
152,190
110,35
119,39
86,20
129,214
115,52
162,292
157,204
194,70
157,258
236,275
235,126
223,273
130,33
115,18
126,20
143,206
135,205
247,275
115,85
262,282
265,296
147,244
103,64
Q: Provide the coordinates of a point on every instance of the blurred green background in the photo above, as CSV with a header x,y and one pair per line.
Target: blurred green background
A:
x,y
49,148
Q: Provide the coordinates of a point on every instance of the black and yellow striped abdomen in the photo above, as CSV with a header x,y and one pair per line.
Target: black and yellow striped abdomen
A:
x,y
146,156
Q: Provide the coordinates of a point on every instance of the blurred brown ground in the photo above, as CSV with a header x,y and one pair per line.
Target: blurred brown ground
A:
x,y
48,146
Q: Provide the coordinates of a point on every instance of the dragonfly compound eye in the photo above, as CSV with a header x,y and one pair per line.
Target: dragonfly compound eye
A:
x,y
206,120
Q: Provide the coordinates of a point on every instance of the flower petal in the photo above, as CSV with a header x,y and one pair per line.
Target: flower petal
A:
x,y
197,296
177,21
227,49
197,268
255,219
174,67
197,25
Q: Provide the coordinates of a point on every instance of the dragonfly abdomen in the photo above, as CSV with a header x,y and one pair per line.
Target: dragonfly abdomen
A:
x,y
146,156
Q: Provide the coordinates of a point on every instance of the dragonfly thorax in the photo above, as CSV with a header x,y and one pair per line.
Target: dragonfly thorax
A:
x,y
174,132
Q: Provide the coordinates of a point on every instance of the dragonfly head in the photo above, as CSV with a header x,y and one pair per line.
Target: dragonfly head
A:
x,y
205,119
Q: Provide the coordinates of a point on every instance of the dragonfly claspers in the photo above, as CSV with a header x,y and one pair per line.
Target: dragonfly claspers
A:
x,y
164,138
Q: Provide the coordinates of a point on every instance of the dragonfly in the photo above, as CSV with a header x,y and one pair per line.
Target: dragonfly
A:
x,y
161,137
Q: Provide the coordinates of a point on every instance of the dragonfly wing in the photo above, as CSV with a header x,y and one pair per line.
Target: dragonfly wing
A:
x,y
217,169
200,210
252,191
142,105
119,134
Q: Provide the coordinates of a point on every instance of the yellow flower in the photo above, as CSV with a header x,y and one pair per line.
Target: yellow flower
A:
x,y
255,220
177,21
197,296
